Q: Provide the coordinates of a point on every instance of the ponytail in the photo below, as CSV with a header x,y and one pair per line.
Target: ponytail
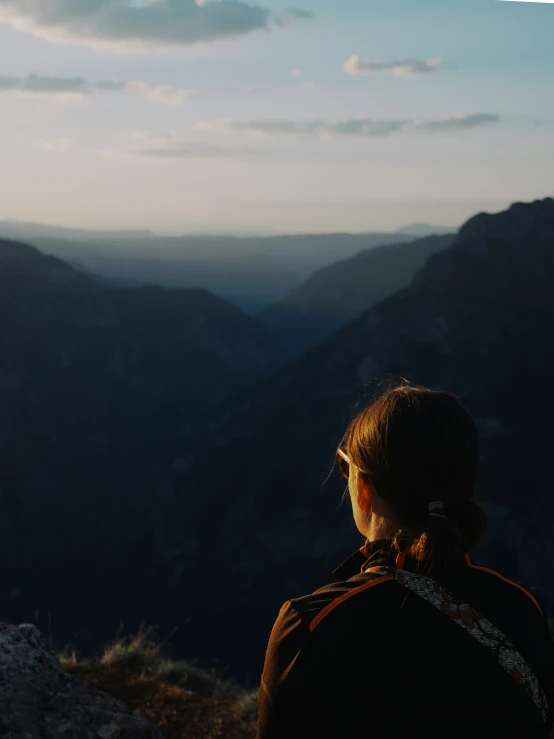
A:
x,y
455,531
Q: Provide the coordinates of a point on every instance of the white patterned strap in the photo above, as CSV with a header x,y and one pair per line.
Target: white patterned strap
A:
x,y
475,624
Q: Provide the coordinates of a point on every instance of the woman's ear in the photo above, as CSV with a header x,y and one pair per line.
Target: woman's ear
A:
x,y
366,493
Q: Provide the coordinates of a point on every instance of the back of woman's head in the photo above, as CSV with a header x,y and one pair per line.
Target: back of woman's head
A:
x,y
416,446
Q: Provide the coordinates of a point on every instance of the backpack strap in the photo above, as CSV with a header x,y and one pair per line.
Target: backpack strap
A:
x,y
480,628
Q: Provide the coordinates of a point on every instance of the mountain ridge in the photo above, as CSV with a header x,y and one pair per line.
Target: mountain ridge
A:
x,y
337,293
249,271
421,230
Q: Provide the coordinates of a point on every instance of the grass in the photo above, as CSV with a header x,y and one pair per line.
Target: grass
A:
x,y
180,697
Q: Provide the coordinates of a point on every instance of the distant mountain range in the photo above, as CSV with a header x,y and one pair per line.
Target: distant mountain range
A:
x,y
420,230
251,272
336,294
28,231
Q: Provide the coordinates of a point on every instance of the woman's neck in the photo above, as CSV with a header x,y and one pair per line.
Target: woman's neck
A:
x,y
381,528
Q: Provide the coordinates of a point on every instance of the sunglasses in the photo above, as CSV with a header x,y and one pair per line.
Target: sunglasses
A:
x,y
344,462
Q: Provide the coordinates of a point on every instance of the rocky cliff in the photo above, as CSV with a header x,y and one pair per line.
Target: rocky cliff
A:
x,y
39,700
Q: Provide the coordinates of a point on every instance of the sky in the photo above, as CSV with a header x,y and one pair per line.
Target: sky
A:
x,y
232,116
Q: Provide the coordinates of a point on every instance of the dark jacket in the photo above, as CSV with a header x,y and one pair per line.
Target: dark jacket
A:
x,y
384,663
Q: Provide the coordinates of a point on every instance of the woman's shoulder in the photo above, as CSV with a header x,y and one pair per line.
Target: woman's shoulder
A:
x,y
515,589
310,609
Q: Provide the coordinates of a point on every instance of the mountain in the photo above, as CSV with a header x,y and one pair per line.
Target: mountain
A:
x,y
251,272
420,230
477,319
22,230
339,292
96,387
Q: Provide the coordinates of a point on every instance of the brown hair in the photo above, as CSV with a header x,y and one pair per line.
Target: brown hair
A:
x,y
418,445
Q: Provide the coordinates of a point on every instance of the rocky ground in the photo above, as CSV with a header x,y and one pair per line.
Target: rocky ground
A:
x,y
132,691
181,699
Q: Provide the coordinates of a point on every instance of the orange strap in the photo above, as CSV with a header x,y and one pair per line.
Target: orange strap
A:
x,y
350,594
510,582
400,558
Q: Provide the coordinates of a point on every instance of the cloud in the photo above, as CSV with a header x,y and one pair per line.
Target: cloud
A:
x,y
348,127
196,150
141,23
353,127
39,84
172,145
296,73
167,94
291,16
457,122
356,65
307,85
71,87
55,146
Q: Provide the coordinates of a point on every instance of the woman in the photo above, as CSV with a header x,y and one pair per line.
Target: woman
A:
x,y
414,639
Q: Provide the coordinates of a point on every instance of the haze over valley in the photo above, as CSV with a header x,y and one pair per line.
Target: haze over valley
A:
x,y
249,271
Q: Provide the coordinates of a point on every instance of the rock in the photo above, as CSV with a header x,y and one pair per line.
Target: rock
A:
x,y
38,700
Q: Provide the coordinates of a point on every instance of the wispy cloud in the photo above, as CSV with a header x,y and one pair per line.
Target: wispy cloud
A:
x,y
356,65
459,121
175,145
345,127
174,96
354,127
71,87
145,23
54,146
43,85
196,150
291,16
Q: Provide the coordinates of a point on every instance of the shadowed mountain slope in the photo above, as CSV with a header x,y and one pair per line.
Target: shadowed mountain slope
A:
x,y
339,292
96,386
